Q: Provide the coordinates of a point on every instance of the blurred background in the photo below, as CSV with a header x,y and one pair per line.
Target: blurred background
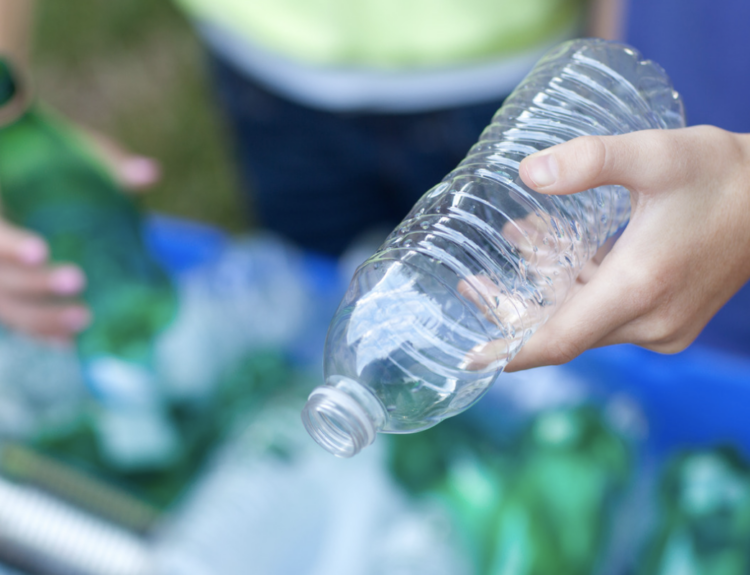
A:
x,y
622,462
136,71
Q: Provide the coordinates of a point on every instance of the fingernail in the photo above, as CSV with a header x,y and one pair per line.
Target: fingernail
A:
x,y
33,251
67,281
77,319
542,169
139,171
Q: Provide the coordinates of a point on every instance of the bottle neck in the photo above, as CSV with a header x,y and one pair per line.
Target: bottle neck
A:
x,y
343,417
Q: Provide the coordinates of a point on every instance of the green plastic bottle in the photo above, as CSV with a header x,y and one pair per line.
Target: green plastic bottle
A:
x,y
704,526
558,513
52,184
540,505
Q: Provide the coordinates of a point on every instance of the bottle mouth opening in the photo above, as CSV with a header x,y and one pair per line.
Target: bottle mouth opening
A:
x,y
337,422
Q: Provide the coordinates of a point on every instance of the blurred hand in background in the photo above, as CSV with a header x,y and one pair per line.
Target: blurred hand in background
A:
x,y
37,297
40,298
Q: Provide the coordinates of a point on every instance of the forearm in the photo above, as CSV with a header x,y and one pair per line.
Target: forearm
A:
x,y
15,30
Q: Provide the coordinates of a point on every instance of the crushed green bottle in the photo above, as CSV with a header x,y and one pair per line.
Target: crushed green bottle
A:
x,y
559,511
53,184
704,521
541,504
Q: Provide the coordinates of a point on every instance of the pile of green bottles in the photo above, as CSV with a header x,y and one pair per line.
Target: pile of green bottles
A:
x,y
68,463
556,497
544,503
703,525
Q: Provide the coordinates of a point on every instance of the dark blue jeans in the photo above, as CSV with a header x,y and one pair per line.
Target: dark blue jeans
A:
x,y
321,178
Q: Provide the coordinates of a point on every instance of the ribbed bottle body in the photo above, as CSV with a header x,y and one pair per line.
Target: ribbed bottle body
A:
x,y
482,261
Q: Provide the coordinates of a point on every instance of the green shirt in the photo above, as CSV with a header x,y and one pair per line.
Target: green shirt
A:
x,y
391,34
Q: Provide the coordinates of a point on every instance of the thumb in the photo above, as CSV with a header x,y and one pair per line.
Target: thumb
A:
x,y
640,161
131,171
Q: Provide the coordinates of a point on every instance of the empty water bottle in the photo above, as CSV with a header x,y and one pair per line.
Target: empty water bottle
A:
x,y
482,261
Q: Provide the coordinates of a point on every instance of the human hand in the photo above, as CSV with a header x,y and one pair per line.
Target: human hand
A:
x,y
685,252
512,312
133,172
34,295
37,297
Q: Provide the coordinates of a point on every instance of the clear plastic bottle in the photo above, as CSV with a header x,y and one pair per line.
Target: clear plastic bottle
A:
x,y
481,261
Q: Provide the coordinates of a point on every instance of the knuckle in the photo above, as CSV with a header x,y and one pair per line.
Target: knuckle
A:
x,y
710,133
652,148
39,282
670,345
661,332
562,350
688,151
591,158
667,333
644,288
660,142
727,146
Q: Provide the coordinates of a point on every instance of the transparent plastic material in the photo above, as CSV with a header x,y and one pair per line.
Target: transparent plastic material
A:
x,y
482,261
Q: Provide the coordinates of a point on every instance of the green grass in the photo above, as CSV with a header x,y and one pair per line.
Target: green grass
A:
x,y
134,70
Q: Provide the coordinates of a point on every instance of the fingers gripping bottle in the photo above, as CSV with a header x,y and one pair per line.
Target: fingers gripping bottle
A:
x,y
481,261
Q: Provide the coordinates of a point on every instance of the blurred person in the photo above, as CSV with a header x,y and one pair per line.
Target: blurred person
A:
x,y
344,114
341,126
